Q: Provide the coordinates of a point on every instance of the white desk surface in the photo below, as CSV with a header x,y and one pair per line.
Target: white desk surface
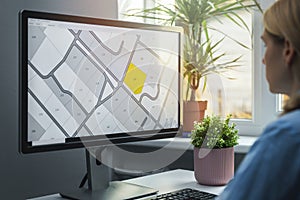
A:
x,y
164,182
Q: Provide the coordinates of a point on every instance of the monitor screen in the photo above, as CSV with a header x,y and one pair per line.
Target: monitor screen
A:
x,y
88,81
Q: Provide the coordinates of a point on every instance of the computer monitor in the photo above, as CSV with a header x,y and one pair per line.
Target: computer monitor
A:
x,y
88,82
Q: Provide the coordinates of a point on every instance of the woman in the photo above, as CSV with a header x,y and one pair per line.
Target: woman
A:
x,y
271,169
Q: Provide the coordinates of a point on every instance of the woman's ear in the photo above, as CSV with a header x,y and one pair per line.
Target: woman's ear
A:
x,y
288,52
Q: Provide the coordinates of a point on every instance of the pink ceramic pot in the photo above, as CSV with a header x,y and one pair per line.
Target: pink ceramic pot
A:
x,y
213,166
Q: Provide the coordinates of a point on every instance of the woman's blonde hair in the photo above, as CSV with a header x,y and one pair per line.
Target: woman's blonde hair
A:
x,y
282,20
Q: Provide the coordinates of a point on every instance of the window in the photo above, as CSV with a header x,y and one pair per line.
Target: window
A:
x,y
246,96
234,88
125,5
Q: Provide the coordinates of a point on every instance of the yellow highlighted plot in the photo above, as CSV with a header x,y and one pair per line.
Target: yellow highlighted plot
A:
x,y
135,79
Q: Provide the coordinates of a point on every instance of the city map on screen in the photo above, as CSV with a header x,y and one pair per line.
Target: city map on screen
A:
x,y
87,80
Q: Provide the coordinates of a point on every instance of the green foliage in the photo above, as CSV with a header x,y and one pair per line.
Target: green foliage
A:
x,y
214,132
200,52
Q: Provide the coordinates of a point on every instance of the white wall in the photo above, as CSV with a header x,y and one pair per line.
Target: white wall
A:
x,y
24,176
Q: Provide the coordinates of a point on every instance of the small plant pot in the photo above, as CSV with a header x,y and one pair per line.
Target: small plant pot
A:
x,y
213,166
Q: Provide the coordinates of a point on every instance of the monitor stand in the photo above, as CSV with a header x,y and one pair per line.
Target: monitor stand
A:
x,y
101,187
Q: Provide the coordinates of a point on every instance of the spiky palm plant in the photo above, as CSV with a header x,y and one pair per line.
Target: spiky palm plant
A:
x,y
200,55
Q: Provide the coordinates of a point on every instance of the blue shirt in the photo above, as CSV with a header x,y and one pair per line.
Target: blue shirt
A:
x,y
271,169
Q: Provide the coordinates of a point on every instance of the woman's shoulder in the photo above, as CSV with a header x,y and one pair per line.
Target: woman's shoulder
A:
x,y
285,126
279,138
292,116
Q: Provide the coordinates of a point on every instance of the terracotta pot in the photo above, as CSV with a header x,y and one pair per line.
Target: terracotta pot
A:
x,y
213,166
192,111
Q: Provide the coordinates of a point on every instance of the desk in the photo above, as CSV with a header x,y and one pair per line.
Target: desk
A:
x,y
164,182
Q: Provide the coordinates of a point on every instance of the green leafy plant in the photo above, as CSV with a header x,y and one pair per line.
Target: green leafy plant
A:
x,y
214,132
200,52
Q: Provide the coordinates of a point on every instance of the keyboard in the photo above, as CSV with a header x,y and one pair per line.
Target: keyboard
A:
x,y
185,194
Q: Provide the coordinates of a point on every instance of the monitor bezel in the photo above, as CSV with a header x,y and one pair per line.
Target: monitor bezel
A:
x,y
120,138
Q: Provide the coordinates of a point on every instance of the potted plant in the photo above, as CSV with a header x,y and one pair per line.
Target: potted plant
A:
x,y
200,52
214,139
